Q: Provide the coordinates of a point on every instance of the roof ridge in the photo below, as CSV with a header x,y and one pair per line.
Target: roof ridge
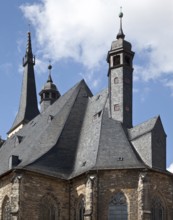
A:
x,y
75,94
143,129
101,127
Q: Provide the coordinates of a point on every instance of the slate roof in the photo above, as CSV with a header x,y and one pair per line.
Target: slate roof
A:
x,y
142,128
72,136
28,107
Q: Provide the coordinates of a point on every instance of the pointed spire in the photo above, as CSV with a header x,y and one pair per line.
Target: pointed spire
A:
x,y
120,34
29,48
28,107
29,58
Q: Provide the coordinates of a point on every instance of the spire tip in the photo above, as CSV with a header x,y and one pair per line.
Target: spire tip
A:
x,y
120,34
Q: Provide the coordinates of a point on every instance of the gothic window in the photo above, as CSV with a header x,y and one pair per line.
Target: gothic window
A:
x,y
81,209
157,209
48,208
118,207
116,60
6,209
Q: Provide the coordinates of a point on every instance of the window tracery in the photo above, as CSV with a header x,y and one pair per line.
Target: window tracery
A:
x,y
157,209
6,209
118,207
81,209
48,208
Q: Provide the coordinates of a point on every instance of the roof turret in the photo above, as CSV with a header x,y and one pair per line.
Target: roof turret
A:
x,y
49,93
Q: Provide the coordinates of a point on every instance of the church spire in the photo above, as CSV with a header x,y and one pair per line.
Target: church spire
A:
x,y
28,107
29,58
120,33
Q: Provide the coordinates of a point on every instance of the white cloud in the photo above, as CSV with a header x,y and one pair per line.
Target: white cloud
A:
x,y
84,30
91,79
170,168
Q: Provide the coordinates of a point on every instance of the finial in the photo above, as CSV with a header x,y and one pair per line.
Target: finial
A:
x,y
120,34
29,58
29,27
49,68
29,48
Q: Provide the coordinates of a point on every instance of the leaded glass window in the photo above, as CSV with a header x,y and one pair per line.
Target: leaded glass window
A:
x,y
48,208
6,209
118,207
81,209
157,209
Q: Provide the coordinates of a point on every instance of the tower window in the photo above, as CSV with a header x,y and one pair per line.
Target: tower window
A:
x,y
116,81
116,60
46,95
116,107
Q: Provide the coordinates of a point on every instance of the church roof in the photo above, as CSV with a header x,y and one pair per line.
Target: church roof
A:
x,y
72,136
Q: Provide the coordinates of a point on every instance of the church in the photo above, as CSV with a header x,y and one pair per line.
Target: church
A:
x,y
80,157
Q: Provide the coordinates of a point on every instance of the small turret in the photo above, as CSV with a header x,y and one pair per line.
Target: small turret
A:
x,y
49,93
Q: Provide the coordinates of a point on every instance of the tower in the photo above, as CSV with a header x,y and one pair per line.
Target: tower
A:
x,y
49,93
28,108
120,77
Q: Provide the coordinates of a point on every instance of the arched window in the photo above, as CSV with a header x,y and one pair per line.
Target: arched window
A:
x,y
157,209
6,209
118,207
80,209
48,208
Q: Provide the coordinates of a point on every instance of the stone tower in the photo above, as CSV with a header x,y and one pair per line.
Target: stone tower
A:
x,y
120,80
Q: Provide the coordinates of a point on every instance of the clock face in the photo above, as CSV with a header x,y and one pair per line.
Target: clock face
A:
x,y
127,60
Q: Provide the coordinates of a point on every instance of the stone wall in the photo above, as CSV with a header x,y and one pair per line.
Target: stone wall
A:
x,y
26,191
5,190
32,190
111,182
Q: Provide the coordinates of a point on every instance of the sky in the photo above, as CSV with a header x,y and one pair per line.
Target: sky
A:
x,y
76,36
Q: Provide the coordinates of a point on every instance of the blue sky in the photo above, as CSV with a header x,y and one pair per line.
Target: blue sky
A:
x,y
76,35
